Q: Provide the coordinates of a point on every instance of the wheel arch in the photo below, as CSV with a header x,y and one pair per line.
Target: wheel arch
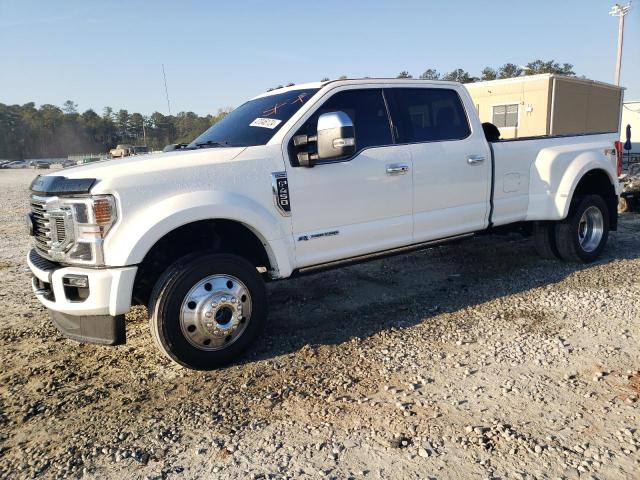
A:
x,y
595,181
191,221
207,235
148,222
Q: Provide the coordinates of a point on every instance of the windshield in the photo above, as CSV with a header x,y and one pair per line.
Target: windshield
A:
x,y
255,122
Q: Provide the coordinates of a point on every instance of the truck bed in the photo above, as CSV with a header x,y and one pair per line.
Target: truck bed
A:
x,y
527,171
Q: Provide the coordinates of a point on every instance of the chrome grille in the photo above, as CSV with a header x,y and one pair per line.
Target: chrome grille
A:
x,y
61,233
41,225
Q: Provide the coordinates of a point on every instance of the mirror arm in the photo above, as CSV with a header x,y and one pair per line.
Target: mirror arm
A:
x,y
301,140
307,159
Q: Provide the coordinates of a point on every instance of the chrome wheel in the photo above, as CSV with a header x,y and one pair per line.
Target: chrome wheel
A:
x,y
215,312
591,229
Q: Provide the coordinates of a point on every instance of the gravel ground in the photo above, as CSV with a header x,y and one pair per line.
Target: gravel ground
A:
x,y
476,360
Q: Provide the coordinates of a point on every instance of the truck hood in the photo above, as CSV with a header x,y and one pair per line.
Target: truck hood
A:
x,y
108,171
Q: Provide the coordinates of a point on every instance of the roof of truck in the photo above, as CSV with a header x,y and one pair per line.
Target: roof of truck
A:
x,y
354,81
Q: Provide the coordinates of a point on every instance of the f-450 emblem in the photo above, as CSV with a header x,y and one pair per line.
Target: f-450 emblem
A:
x,y
280,188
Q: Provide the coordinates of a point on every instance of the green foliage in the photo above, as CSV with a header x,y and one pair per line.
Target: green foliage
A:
x,y
50,131
509,70
70,107
404,74
430,74
459,75
488,74
540,66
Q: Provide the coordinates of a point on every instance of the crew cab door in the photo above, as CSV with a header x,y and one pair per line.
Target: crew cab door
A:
x,y
451,161
351,206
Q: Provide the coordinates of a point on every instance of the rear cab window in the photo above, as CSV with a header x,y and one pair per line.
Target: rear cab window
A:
x,y
427,114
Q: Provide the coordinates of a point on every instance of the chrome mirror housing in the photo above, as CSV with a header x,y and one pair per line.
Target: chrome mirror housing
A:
x,y
336,136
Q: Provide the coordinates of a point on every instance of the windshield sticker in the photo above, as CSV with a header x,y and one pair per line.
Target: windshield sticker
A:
x,y
270,123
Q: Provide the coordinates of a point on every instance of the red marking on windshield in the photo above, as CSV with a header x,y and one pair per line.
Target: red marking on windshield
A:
x,y
273,110
300,98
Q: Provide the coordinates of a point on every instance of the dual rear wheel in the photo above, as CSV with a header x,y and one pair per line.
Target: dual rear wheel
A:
x,y
580,237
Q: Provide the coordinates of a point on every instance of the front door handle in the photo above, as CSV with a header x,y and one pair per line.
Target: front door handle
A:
x,y
475,159
397,169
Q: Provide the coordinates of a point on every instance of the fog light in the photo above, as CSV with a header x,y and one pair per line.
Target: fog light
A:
x,y
80,281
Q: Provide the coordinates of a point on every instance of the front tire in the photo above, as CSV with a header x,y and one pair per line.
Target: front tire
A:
x,y
207,309
582,236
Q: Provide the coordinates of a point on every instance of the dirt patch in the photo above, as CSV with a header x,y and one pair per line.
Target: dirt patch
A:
x,y
634,383
447,363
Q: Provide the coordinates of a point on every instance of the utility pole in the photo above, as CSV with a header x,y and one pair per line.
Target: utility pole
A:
x,y
166,91
619,11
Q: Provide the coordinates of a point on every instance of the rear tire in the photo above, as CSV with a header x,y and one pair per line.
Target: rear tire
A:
x,y
207,309
582,236
544,240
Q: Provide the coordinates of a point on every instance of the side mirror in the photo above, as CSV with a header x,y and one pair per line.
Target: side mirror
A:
x,y
336,136
335,139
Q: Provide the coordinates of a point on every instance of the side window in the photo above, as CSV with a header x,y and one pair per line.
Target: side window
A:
x,y
367,111
505,115
427,114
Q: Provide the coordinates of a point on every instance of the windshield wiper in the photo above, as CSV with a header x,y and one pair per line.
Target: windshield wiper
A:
x,y
211,143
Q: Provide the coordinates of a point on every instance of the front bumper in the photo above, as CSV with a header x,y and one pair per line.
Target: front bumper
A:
x,y
95,312
102,329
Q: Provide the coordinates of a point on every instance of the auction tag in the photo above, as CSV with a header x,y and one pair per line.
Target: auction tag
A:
x,y
265,123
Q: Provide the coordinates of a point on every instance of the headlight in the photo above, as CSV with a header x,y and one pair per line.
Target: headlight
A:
x,y
86,222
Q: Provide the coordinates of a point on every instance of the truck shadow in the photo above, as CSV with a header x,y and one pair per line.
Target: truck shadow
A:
x,y
359,301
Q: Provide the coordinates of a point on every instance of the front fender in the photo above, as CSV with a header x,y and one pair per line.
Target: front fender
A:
x,y
130,241
554,177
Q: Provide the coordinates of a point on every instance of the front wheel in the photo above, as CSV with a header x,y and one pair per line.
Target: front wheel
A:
x,y
582,236
206,309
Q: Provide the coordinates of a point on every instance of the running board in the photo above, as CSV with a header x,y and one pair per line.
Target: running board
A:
x,y
377,255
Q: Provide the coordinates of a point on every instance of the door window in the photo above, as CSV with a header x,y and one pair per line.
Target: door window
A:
x,y
427,114
367,111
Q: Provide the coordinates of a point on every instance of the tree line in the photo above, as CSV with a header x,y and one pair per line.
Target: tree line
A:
x,y
508,70
51,131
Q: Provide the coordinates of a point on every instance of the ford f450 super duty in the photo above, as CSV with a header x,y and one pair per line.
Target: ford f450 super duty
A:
x,y
297,180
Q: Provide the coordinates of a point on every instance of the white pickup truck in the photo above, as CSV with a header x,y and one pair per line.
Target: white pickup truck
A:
x,y
296,180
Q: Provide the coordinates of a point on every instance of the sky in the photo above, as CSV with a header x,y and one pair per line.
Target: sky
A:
x,y
218,54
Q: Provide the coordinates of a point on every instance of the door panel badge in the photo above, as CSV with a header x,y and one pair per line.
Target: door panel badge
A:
x,y
313,236
280,189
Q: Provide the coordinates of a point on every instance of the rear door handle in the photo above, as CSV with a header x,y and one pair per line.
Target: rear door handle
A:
x,y
475,159
397,169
